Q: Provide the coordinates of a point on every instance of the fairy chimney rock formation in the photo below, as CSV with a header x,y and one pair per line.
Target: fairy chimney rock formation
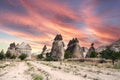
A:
x,y
91,49
58,47
43,51
74,48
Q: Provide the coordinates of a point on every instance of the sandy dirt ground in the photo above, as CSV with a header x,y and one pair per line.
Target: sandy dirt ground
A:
x,y
26,70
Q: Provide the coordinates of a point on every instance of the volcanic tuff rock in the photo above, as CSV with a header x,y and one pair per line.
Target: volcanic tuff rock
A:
x,y
84,50
43,51
115,46
74,48
20,48
58,47
91,49
101,48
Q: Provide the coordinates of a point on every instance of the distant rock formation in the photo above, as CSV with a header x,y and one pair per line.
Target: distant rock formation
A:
x,y
100,49
84,50
12,49
18,49
58,47
43,51
115,46
91,49
74,48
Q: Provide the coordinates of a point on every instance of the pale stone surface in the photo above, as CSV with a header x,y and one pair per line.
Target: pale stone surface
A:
x,y
44,51
20,48
74,48
58,48
91,49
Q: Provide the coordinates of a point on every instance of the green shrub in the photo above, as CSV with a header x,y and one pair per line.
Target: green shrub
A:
x,y
39,56
110,54
37,77
51,59
13,57
23,56
68,55
8,55
93,54
2,55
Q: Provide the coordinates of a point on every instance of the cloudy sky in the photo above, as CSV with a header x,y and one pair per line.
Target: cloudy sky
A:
x,y
38,21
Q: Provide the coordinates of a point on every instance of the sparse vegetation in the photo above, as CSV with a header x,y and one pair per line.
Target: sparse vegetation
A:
x,y
93,54
37,77
2,55
8,55
117,65
68,55
39,56
13,57
110,54
23,56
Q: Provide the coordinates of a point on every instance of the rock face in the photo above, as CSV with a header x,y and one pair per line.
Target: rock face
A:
x,y
58,47
84,50
101,48
91,49
115,46
20,48
43,51
74,48
12,49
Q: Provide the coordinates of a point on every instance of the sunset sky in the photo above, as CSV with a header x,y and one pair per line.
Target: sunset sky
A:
x,y
38,21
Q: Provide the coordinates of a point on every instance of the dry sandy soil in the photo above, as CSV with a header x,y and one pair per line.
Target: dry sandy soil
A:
x,y
34,70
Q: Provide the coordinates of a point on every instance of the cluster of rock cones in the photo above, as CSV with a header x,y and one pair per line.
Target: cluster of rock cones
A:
x,y
58,50
74,48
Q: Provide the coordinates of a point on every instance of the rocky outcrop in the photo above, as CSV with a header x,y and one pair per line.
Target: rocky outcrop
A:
x,y
12,49
100,49
91,49
84,50
74,48
20,48
115,46
43,51
58,47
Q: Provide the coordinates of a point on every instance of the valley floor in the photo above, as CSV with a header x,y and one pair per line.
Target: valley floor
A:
x,y
43,70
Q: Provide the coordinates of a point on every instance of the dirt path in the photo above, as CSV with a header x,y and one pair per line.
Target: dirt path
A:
x,y
56,71
17,73
57,74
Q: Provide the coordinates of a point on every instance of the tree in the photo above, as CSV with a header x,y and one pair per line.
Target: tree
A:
x,y
68,55
2,55
110,54
8,55
93,54
23,56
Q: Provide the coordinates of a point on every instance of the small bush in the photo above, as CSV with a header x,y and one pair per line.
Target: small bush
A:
x,y
93,54
2,55
37,77
51,59
8,55
68,55
39,56
23,56
13,57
